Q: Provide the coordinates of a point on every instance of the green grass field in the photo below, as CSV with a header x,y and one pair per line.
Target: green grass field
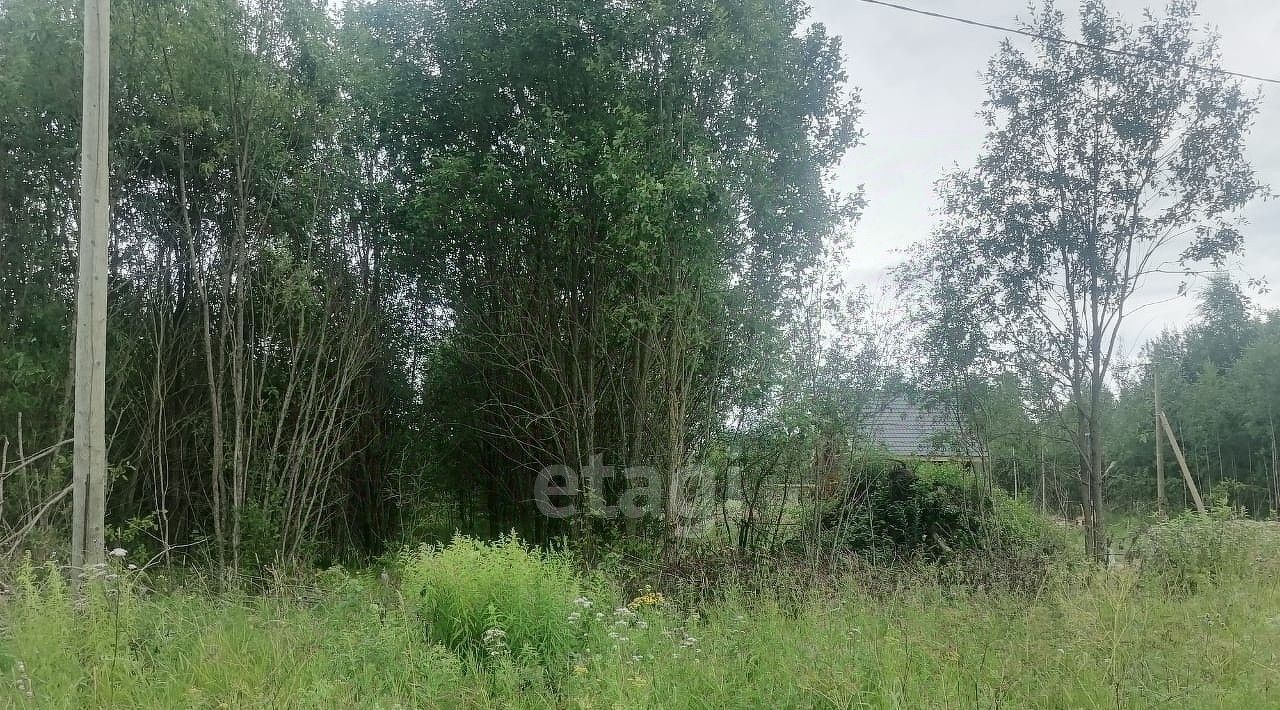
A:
x,y
1099,639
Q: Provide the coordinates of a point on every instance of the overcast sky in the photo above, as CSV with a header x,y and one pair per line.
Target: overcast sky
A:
x,y
921,89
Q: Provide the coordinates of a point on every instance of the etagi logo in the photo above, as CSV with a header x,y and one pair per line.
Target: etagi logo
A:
x,y
558,488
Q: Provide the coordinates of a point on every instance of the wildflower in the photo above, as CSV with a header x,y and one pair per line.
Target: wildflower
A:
x,y
132,567
583,602
24,681
495,634
649,598
574,616
118,552
495,641
642,624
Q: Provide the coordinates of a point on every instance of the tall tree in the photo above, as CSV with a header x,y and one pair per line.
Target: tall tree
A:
x,y
1223,328
1100,168
617,203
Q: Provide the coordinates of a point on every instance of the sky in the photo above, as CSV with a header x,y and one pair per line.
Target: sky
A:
x,y
921,87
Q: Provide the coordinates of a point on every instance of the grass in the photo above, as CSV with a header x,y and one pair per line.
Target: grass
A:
x,y
1114,639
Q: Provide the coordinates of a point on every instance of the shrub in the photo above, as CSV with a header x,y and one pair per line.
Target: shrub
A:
x,y
933,510
1193,549
493,600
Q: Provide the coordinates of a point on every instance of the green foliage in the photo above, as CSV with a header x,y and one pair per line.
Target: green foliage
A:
x,y
1096,167
492,600
937,510
1218,386
609,232
1193,550
344,640
55,637
188,647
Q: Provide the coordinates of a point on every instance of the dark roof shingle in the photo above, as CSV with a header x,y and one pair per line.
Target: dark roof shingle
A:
x,y
908,429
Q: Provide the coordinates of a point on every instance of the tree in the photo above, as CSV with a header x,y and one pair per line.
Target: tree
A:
x,y
244,207
611,206
411,256
1099,169
1223,328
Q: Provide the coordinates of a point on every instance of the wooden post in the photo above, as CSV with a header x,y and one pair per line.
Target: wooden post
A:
x,y
1160,499
1182,463
89,462
1275,463
1042,478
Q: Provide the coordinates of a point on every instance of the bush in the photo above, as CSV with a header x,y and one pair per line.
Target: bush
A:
x,y
494,600
1192,549
937,511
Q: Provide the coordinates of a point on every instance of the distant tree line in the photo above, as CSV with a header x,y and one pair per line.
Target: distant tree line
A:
x,y
1218,388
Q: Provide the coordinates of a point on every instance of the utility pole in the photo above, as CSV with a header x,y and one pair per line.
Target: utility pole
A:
x,y
1160,501
1042,476
90,457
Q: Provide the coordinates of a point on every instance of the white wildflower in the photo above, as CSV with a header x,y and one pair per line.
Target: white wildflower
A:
x,y
118,552
495,641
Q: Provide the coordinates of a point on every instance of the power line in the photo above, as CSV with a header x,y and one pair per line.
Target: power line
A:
x,y
1063,40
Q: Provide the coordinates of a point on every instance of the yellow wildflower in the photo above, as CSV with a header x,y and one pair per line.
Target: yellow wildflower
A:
x,y
649,598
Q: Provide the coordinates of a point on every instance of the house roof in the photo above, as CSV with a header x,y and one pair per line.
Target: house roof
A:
x,y
908,429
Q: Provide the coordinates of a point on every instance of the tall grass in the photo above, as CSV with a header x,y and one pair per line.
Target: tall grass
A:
x,y
340,640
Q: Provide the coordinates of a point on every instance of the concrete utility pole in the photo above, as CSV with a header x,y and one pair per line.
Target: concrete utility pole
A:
x,y
1043,482
90,458
1160,501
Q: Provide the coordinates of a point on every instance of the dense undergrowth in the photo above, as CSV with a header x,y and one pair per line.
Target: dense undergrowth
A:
x,y
472,624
